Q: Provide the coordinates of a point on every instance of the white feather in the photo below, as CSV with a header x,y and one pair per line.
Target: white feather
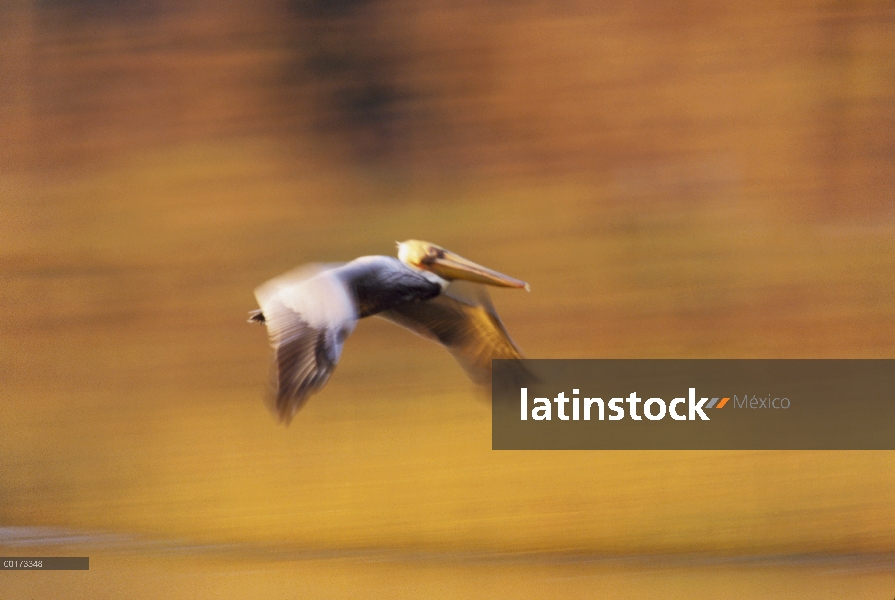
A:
x,y
316,295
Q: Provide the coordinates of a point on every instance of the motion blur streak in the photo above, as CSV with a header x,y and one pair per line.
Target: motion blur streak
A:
x,y
707,179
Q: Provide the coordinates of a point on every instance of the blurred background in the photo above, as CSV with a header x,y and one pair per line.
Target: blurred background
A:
x,y
703,179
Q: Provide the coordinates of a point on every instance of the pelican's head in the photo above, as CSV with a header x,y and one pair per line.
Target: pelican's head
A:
x,y
450,266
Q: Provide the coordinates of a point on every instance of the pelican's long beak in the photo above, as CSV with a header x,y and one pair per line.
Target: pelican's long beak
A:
x,y
450,266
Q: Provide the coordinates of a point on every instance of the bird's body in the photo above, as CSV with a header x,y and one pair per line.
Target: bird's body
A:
x,y
310,312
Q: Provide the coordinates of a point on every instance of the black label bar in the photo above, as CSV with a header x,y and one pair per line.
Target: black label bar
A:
x,y
44,563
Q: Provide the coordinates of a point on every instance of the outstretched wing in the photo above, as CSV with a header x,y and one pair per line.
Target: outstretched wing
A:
x,y
464,321
308,314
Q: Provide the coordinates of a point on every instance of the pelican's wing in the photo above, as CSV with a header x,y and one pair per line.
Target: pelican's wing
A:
x,y
464,321
308,314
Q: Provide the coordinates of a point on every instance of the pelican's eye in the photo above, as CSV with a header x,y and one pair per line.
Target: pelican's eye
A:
x,y
432,254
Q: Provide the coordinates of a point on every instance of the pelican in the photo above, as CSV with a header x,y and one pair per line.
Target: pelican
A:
x,y
310,312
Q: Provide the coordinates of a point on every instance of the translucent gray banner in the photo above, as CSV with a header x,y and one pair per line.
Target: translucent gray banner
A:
x,y
764,404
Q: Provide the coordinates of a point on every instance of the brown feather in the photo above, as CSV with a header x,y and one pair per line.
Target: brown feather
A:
x,y
464,321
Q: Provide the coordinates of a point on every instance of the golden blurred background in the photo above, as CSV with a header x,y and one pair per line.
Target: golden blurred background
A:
x,y
697,179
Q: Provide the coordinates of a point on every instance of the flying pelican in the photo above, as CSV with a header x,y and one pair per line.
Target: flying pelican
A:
x,y
311,311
